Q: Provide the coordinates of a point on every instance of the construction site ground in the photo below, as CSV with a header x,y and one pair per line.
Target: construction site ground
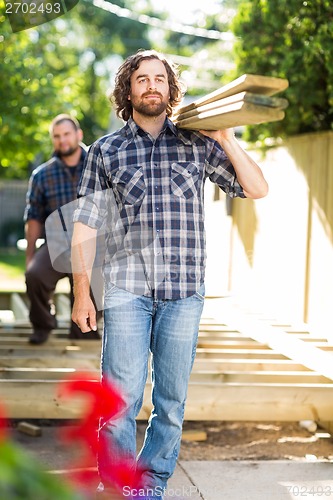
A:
x,y
238,461
262,375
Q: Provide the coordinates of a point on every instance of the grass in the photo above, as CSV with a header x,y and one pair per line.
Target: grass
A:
x,y
12,269
12,264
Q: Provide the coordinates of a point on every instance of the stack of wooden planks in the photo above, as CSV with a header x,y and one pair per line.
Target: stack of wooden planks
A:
x,y
249,368
245,101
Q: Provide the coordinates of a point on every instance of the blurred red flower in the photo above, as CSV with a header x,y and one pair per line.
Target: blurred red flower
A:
x,y
104,403
3,424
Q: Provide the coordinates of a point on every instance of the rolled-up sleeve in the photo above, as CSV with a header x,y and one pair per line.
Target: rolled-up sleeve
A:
x,y
220,170
34,200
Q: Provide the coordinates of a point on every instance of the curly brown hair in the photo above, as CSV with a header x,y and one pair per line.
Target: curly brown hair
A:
x,y
122,88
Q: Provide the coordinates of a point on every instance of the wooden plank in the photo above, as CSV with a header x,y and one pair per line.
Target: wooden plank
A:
x,y
56,342
18,306
246,364
328,426
18,331
241,338
9,335
84,362
239,344
26,330
29,429
203,342
215,327
259,402
19,395
234,115
226,344
194,435
317,358
236,337
262,100
198,375
258,84
239,353
35,373
269,402
48,350
250,377
324,347
308,338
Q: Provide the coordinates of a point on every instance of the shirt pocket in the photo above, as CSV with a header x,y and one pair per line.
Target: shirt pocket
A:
x,y
130,185
184,179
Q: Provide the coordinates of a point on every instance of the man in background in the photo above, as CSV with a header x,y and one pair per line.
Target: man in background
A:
x,y
52,185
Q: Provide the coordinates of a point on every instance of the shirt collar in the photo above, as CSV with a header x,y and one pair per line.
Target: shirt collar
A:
x,y
133,129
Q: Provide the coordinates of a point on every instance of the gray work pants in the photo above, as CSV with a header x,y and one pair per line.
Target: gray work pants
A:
x,y
41,281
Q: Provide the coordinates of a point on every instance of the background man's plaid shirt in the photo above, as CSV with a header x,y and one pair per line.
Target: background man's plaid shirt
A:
x,y
51,186
146,198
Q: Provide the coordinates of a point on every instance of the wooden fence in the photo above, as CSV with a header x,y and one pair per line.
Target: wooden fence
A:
x,y
281,249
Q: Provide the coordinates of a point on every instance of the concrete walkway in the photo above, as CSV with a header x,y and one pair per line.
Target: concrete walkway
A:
x,y
252,480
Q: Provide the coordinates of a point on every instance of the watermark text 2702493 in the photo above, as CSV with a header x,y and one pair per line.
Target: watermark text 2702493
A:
x,y
26,14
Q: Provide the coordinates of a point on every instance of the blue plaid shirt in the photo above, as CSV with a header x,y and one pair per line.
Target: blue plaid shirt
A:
x,y
51,186
146,198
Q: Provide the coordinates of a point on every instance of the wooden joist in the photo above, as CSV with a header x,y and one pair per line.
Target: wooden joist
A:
x,y
57,343
237,353
240,372
249,364
70,351
80,363
245,101
92,363
198,375
211,401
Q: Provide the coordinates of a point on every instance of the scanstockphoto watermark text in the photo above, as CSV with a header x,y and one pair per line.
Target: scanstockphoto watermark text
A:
x,y
33,8
26,14
159,491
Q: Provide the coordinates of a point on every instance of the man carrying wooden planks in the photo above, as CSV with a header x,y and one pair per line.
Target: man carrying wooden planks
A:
x,y
152,175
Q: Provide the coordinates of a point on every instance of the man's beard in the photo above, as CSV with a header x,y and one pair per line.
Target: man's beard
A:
x,y
150,109
67,152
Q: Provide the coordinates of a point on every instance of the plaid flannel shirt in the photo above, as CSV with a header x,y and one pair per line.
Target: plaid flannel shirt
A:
x,y
51,186
146,198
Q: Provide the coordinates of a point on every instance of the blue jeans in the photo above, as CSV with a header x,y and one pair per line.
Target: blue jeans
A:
x,y
135,326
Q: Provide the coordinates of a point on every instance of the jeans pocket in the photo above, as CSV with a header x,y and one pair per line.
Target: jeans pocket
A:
x,y
200,294
109,288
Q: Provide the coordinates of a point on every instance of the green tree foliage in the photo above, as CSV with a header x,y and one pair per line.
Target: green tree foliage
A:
x,y
107,39
293,40
38,81
61,66
201,59
23,478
